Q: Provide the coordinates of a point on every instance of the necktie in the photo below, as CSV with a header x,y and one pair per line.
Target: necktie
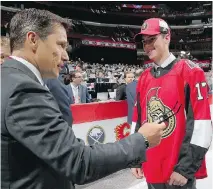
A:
x,y
158,71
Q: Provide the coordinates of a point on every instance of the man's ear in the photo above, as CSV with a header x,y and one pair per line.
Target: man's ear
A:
x,y
32,40
168,38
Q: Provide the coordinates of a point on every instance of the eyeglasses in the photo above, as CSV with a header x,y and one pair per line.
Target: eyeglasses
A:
x,y
149,40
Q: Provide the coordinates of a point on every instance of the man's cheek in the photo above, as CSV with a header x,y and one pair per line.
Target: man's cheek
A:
x,y
56,57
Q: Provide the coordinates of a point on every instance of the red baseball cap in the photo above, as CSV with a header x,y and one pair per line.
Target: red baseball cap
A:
x,y
152,26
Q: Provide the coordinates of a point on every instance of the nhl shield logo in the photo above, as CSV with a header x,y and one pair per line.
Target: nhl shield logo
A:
x,y
156,109
144,26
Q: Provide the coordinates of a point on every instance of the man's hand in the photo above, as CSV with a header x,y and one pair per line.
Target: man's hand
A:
x,y
137,172
177,179
152,132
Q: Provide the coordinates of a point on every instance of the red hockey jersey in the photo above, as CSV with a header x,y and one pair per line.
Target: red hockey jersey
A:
x,y
188,134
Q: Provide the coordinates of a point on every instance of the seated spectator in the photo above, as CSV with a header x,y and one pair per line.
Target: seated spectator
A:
x,y
79,67
79,92
100,74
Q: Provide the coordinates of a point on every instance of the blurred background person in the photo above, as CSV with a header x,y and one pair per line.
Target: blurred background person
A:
x,y
5,48
59,88
121,90
79,67
101,74
79,92
131,95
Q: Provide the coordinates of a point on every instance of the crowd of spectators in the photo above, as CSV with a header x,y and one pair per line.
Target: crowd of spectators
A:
x,y
189,39
114,72
159,10
126,34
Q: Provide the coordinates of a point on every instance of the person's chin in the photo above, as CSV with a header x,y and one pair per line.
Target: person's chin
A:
x,y
57,75
54,74
57,72
151,56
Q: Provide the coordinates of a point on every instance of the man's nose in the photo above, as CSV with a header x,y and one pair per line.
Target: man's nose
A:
x,y
65,56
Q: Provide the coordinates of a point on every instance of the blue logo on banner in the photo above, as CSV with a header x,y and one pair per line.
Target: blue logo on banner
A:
x,y
96,135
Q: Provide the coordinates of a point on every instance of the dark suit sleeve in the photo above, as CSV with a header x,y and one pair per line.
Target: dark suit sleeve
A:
x,y
88,99
129,93
62,98
121,92
33,118
128,96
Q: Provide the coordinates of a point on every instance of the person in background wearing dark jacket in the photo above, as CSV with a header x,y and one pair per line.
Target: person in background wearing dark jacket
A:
x,y
131,95
59,88
121,90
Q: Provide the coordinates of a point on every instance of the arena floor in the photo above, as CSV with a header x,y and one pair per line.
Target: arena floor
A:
x,y
125,180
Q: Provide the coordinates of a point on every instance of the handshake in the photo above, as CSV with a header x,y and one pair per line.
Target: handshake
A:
x,y
152,132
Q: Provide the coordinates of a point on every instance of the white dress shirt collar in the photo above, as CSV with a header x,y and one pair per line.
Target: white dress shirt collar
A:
x,y
31,67
75,90
73,86
167,61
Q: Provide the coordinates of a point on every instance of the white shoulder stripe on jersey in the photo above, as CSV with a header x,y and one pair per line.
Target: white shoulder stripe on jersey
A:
x,y
133,127
202,133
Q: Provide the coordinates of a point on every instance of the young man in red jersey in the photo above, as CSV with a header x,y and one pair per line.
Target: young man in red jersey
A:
x,y
174,91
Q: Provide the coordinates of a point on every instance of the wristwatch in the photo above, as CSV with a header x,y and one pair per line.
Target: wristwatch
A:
x,y
146,142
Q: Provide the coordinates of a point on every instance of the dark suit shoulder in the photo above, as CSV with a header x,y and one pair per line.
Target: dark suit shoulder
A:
x,y
132,84
121,86
14,80
60,91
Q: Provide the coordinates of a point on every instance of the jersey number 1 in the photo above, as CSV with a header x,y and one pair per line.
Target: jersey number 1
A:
x,y
198,86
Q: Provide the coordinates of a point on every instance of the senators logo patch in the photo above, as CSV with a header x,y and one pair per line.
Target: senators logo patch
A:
x,y
144,26
156,109
122,131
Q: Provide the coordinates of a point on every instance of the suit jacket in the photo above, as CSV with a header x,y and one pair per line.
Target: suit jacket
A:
x,y
39,149
121,92
62,95
83,93
131,97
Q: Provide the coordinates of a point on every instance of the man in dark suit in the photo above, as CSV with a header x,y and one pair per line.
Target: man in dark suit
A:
x,y
131,95
121,90
62,94
38,148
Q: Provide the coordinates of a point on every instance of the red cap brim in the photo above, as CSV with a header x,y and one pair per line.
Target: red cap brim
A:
x,y
138,37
